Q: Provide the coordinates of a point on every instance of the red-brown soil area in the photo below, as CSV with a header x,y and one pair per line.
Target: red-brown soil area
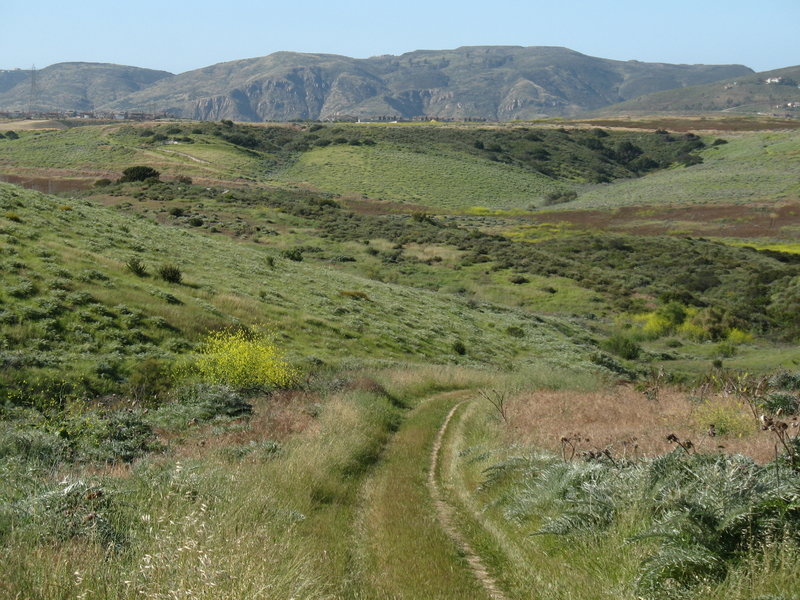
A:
x,y
731,220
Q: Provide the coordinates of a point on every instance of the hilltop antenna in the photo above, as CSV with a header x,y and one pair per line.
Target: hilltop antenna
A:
x,y
34,92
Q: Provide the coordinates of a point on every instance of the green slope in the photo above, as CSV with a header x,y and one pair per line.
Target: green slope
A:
x,y
751,167
69,304
742,94
431,179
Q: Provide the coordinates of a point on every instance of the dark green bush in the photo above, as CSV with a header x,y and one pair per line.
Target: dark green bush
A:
x,y
136,266
170,273
150,381
295,254
622,346
138,173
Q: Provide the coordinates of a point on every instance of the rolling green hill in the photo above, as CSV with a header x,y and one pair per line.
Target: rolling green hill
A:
x,y
399,361
754,167
70,304
442,167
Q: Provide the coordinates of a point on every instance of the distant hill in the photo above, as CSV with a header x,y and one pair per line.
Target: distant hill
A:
x,y
485,82
773,92
73,86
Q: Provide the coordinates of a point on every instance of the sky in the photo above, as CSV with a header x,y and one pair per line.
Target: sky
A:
x,y
177,36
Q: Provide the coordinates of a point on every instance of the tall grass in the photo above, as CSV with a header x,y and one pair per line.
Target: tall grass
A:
x,y
273,526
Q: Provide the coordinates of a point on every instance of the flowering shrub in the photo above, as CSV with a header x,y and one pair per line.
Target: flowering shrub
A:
x,y
244,359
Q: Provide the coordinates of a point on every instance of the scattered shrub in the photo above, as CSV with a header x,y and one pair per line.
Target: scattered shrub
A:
x,y
150,381
170,273
459,348
295,254
136,266
622,346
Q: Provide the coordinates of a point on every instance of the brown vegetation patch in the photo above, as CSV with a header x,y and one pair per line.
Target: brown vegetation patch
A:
x,y
629,425
689,123
277,417
365,206
48,185
729,220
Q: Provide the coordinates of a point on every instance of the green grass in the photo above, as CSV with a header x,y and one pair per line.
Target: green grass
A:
x,y
398,561
751,167
437,180
108,149
81,306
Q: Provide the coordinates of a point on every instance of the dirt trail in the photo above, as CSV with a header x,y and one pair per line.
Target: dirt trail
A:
x,y
446,515
401,549
189,156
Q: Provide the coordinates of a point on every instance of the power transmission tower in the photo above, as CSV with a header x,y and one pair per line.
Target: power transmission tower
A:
x,y
34,92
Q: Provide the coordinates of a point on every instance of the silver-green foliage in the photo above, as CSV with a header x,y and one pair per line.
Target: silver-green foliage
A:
x,y
701,514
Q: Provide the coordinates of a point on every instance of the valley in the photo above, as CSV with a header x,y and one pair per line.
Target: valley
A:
x,y
549,358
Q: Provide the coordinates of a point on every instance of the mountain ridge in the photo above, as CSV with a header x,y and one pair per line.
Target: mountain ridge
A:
x,y
497,83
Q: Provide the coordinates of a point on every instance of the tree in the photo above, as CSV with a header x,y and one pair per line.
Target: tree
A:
x,y
139,173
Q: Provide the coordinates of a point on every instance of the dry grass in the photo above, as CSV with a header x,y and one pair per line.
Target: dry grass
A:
x,y
630,425
278,417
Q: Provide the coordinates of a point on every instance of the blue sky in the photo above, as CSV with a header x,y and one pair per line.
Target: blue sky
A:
x,y
178,36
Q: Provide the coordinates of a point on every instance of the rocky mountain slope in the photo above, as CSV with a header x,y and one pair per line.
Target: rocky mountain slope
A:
x,y
72,86
480,82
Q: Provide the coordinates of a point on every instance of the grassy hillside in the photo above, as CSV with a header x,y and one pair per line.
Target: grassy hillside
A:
x,y
70,302
441,167
744,94
756,167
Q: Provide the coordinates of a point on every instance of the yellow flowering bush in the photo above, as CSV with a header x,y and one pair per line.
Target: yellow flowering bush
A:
x,y
244,359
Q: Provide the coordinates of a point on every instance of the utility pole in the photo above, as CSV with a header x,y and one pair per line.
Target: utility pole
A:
x,y
34,91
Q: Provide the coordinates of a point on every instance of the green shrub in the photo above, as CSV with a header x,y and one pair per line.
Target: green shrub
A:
x,y
33,445
783,403
138,173
295,254
200,403
622,346
459,348
150,381
170,273
136,266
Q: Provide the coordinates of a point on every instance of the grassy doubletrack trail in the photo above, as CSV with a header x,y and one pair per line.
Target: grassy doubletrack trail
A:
x,y
408,544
